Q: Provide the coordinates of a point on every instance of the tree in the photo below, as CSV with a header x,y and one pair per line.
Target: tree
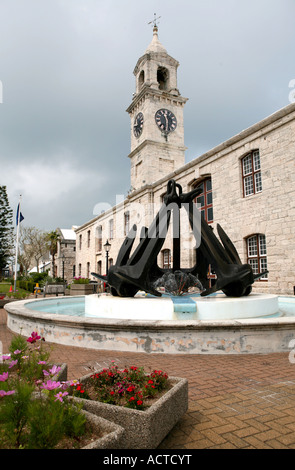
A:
x,y
33,246
52,243
6,229
26,251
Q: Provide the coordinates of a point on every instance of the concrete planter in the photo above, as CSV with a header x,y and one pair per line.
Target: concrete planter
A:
x,y
112,434
144,429
81,289
62,375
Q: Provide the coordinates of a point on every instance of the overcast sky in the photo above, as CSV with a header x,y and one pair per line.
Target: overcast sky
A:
x,y
66,69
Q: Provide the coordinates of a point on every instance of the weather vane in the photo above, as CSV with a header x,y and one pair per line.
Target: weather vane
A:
x,y
154,20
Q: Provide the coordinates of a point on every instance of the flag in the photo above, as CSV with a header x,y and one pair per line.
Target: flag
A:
x,y
21,217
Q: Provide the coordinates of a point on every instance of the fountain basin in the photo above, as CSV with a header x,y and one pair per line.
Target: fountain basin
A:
x,y
194,307
176,336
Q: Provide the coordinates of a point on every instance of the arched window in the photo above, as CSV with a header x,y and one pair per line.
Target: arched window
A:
x,y
251,172
88,238
166,259
256,254
205,200
141,79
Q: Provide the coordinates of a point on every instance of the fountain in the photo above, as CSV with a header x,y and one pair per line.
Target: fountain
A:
x,y
174,311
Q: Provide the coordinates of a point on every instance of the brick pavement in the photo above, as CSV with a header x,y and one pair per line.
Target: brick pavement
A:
x,y
235,401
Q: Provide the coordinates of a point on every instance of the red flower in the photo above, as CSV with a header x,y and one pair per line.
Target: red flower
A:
x,y
34,337
139,402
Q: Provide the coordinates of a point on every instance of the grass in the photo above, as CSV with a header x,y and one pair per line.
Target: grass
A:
x,y
5,287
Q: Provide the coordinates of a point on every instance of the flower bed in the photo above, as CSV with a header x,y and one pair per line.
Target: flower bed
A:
x,y
35,412
147,405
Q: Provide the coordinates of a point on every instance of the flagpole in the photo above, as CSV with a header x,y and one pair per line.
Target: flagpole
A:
x,y
16,250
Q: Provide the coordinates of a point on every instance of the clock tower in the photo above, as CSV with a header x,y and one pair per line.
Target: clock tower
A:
x,y
156,113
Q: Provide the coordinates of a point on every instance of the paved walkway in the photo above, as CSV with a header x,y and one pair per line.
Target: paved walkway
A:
x,y
235,401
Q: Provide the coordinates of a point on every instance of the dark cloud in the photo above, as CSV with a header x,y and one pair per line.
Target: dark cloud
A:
x,y
67,72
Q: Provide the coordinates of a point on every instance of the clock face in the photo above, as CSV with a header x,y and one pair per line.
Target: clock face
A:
x,y
138,124
165,120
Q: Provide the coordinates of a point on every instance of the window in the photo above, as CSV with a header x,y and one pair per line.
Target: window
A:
x,y
205,200
98,237
256,254
74,270
88,270
98,267
80,270
80,242
88,239
162,78
251,172
166,259
141,79
111,229
126,223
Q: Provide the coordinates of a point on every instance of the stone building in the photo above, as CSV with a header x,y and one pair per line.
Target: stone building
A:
x,y
248,182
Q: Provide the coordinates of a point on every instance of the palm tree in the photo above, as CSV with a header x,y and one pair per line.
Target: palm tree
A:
x,y
52,240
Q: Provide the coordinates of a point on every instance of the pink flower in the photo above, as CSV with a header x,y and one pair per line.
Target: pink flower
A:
x,y
3,393
53,371
13,363
4,377
50,385
5,358
17,351
59,396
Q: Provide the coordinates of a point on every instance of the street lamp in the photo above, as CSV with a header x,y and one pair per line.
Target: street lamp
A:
x,y
107,247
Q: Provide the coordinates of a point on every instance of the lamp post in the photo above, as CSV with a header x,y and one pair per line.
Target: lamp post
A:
x,y
63,268
107,247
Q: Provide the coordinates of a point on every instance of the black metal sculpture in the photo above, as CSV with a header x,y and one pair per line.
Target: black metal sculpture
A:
x,y
140,271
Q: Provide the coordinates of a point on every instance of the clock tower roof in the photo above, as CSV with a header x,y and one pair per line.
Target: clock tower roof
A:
x,y
155,45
